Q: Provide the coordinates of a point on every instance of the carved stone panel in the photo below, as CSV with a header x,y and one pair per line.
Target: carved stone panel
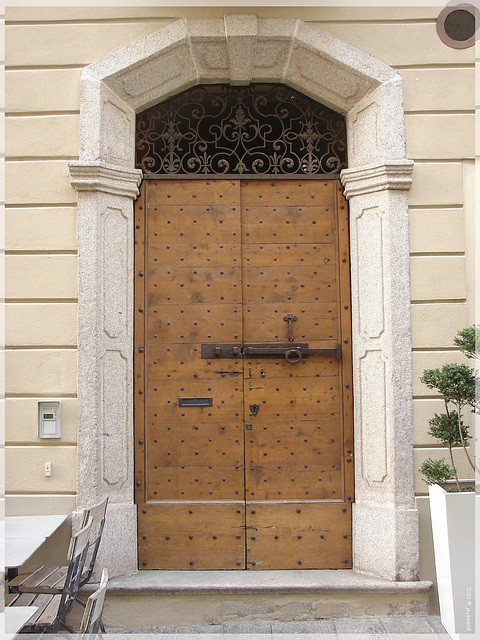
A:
x,y
115,272
374,416
370,272
114,372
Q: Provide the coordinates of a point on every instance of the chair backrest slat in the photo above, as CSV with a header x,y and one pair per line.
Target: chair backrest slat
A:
x,y
79,548
92,615
97,514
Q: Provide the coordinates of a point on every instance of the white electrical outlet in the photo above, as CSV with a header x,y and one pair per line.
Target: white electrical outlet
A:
x,y
48,468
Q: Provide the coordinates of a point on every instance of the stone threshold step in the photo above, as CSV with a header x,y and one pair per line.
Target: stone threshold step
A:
x,y
255,582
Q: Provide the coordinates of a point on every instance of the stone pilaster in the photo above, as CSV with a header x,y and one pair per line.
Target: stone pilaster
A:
x,y
105,353
384,515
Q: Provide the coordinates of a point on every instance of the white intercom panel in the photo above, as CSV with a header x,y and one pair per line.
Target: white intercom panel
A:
x,y
49,420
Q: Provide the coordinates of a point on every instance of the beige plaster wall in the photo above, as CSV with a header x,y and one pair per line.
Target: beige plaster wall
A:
x,y
46,49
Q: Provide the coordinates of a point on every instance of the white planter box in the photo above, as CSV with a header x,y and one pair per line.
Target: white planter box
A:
x,y
453,527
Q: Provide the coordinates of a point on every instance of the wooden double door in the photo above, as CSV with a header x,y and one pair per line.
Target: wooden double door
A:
x,y
243,393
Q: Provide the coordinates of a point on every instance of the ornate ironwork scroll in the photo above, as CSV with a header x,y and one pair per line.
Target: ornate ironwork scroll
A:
x,y
261,129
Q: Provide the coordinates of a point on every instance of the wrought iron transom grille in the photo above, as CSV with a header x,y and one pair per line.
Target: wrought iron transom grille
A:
x,y
260,129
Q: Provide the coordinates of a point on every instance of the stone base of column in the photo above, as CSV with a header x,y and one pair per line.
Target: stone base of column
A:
x,y
118,548
386,542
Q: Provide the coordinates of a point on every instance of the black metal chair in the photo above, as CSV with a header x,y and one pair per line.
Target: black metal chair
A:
x,y
50,580
53,608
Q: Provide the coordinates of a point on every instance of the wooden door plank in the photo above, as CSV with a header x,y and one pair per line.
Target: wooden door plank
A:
x,y
281,224
195,482
299,535
191,225
294,443
181,361
288,193
316,366
199,254
258,254
195,536
289,482
200,285
194,192
195,323
198,445
139,346
345,318
280,284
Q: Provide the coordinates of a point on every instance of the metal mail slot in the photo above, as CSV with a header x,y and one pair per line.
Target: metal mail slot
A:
x,y
195,402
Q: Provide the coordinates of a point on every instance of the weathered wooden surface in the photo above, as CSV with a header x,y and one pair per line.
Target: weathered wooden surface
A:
x,y
223,261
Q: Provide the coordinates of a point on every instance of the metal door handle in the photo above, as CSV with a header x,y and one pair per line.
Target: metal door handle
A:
x,y
290,318
293,355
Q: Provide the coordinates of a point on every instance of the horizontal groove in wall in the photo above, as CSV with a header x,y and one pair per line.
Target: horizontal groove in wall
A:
x,y
437,254
432,397
431,112
458,160
431,65
41,300
44,494
439,160
43,206
12,494
41,252
39,205
41,395
39,114
434,445
38,347
438,205
82,21
39,158
157,18
45,67
39,445
405,21
443,301
436,349
49,442
433,207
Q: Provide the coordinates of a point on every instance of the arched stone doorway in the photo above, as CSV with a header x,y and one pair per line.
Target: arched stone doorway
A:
x,y
240,50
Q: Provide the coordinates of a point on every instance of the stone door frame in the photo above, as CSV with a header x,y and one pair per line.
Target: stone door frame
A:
x,y
240,49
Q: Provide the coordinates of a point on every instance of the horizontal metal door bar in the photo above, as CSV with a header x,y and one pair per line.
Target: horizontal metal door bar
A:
x,y
293,353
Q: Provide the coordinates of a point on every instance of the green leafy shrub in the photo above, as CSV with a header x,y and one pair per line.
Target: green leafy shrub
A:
x,y
456,384
466,339
436,471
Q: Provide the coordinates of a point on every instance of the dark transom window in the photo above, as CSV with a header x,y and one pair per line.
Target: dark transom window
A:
x,y
261,129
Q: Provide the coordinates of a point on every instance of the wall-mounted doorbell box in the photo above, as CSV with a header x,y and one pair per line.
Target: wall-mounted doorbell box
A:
x,y
49,420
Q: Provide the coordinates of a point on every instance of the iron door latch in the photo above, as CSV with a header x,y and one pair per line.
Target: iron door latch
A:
x,y
292,353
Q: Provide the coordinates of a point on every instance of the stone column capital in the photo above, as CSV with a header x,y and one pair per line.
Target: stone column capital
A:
x,y
377,177
109,178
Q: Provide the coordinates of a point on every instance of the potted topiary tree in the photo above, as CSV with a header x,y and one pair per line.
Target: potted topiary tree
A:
x,y
452,506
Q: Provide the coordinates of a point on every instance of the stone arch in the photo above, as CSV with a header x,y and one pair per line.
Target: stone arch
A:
x,y
240,49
